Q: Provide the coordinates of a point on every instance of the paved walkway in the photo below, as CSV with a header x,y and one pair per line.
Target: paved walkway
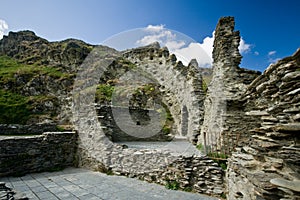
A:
x,y
75,183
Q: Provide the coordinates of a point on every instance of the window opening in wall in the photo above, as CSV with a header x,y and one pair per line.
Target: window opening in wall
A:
x,y
184,121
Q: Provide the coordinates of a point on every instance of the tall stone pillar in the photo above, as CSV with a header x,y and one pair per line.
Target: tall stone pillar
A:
x,y
226,84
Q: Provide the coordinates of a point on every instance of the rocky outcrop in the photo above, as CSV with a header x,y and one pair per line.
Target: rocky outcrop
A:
x,y
28,48
42,72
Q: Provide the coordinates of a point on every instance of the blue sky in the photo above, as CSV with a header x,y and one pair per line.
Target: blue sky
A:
x,y
271,28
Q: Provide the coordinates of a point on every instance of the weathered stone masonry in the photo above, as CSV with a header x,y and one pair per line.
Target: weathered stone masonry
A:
x,y
181,86
256,120
228,83
97,152
266,166
20,155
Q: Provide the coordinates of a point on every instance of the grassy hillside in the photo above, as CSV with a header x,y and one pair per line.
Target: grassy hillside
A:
x,y
15,107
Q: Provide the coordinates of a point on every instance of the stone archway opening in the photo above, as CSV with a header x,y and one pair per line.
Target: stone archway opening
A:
x,y
184,121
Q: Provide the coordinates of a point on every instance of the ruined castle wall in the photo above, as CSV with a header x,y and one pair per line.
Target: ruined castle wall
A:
x,y
97,152
220,131
26,154
181,86
256,120
267,166
116,134
195,173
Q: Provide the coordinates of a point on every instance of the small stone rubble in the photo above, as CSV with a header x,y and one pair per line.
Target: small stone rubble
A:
x,y
7,193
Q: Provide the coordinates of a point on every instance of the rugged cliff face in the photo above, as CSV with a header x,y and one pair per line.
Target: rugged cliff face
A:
x,y
28,48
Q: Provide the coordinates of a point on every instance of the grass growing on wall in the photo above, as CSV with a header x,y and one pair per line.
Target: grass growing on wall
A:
x,y
172,185
219,158
17,109
104,93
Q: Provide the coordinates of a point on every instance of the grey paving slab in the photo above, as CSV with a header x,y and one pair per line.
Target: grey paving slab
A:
x,y
82,184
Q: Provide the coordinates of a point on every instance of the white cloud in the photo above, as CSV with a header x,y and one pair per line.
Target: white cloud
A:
x,y
271,53
3,28
158,34
273,60
155,28
194,50
256,53
208,44
184,51
244,47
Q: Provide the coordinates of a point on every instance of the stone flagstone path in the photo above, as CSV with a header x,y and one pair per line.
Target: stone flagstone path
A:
x,y
77,183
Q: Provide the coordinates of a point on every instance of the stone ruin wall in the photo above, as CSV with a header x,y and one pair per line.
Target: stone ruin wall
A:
x,y
266,166
97,152
254,118
228,83
116,134
20,155
257,122
181,86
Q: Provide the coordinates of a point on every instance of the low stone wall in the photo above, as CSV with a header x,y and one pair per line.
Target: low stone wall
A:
x,y
49,151
19,129
197,174
190,173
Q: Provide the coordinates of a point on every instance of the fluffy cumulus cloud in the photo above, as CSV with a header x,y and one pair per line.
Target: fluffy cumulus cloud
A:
x,y
185,50
244,47
3,28
159,34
